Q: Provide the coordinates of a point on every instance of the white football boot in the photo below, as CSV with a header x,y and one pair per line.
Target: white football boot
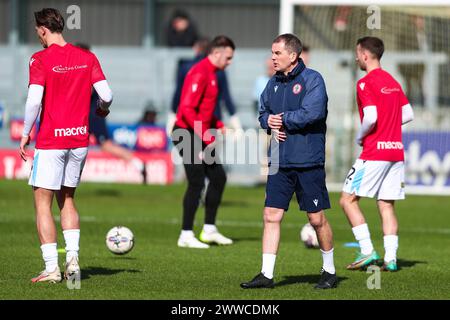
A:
x,y
215,237
191,242
50,277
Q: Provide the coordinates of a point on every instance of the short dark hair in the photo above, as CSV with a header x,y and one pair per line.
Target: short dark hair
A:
x,y
291,42
51,19
373,44
221,42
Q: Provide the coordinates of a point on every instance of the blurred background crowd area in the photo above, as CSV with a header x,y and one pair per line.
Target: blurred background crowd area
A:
x,y
140,44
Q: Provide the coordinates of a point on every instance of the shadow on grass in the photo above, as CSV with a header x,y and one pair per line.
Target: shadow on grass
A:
x,y
401,263
107,193
232,203
308,278
88,272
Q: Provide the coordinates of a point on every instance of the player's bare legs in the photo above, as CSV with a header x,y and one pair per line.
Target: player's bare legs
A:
x,y
271,233
367,255
270,243
47,235
324,233
70,224
350,204
116,150
46,228
390,230
125,154
323,230
388,218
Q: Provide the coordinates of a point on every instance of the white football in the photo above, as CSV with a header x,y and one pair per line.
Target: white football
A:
x,y
309,237
120,240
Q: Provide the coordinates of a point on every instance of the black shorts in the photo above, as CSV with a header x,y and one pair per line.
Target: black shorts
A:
x,y
307,183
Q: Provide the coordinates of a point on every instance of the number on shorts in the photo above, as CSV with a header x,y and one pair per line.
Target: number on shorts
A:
x,y
352,172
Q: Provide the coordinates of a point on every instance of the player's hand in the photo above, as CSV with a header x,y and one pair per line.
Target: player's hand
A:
x,y
23,146
279,135
101,112
275,121
359,142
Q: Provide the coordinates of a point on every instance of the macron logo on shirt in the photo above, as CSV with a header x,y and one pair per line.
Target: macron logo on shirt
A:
x,y
389,145
362,85
67,132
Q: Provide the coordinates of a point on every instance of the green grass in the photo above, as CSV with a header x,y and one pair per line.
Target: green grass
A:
x,y
158,269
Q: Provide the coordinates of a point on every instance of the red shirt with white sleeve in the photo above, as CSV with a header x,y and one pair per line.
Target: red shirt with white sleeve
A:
x,y
67,73
198,100
384,143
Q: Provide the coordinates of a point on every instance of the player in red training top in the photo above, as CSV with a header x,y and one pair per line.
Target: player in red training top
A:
x,y
61,80
193,138
379,171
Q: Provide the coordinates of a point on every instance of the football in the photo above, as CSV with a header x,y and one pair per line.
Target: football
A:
x,y
309,237
120,240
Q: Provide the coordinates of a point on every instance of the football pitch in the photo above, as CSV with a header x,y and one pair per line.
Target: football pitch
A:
x,y
157,269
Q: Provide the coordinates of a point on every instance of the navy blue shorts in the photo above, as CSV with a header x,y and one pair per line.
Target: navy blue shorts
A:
x,y
307,183
97,127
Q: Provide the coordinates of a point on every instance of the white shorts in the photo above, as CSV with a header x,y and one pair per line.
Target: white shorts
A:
x,y
381,179
55,168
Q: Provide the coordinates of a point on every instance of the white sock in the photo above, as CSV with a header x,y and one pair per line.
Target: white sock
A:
x,y
328,262
390,247
268,264
187,234
50,255
72,238
362,235
209,228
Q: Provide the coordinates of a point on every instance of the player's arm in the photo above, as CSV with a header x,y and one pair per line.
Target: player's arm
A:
x,y
407,114
264,110
105,97
98,80
312,109
32,109
368,123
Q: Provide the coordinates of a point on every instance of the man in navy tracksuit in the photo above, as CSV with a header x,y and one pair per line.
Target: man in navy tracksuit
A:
x,y
294,110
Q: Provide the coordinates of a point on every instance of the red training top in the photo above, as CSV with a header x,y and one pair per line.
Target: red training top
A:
x,y
384,143
198,100
67,73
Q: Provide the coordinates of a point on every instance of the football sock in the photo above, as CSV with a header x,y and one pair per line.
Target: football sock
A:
x,y
268,264
362,235
72,238
390,247
50,255
328,262
209,228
